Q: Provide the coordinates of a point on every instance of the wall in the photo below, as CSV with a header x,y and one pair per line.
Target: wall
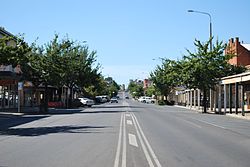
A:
x,y
242,54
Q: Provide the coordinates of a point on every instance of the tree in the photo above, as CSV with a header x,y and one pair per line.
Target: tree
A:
x,y
98,87
135,89
62,63
44,67
58,63
204,68
13,51
166,76
150,91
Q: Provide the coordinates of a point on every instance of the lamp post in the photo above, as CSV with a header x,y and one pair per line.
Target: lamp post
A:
x,y
210,24
210,36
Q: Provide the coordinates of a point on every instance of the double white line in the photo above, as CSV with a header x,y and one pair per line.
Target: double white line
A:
x,y
118,151
147,149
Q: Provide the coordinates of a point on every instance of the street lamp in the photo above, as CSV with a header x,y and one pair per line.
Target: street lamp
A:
x,y
210,24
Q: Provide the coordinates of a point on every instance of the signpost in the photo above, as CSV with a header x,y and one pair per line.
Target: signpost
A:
x,y
20,88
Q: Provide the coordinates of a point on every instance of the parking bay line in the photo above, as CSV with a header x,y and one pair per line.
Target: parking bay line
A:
x,y
212,124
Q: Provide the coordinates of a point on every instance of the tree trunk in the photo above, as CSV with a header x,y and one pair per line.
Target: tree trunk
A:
x,y
46,100
71,97
59,94
204,101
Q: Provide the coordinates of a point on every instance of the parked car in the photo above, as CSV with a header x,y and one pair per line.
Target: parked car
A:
x,y
77,103
113,100
98,99
145,99
102,99
86,101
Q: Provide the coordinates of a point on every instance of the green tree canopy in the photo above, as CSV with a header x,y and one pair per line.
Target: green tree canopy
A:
x,y
204,68
136,90
13,51
166,76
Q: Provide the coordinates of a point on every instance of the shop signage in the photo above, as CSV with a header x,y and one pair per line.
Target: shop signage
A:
x,y
20,85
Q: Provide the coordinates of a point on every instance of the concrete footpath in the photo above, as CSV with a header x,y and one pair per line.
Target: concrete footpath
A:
x,y
247,116
239,115
10,114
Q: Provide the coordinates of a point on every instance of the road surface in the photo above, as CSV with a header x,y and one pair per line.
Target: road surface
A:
x,y
127,134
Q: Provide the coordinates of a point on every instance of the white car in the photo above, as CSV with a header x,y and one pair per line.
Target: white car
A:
x,y
145,99
86,101
113,100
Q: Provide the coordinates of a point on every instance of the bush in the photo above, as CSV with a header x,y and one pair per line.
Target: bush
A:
x,y
170,102
161,102
166,102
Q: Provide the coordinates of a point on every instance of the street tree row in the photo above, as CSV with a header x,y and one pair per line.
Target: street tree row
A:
x,y
60,62
201,69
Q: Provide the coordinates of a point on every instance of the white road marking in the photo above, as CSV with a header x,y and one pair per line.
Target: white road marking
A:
x,y
143,145
147,143
129,122
124,103
116,163
218,126
128,115
124,152
132,140
191,123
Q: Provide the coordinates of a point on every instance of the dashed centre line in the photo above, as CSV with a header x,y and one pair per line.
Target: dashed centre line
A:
x,y
129,122
128,115
124,137
132,140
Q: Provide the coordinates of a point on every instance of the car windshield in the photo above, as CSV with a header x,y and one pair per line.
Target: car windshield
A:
x,y
125,83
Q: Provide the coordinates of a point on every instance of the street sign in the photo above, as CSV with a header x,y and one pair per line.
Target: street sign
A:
x,y
20,85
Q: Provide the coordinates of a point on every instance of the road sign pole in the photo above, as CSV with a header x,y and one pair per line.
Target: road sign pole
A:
x,y
20,88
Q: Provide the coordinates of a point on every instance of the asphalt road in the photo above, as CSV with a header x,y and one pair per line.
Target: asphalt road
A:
x,y
126,134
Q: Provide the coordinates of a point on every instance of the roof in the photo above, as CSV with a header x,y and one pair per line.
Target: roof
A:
x,y
4,32
242,77
247,46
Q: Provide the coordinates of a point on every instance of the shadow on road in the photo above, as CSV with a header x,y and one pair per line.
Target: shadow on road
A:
x,y
116,106
101,111
81,111
39,131
8,122
64,111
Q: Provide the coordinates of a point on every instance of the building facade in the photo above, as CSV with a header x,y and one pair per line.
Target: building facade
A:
x,y
9,78
240,50
233,93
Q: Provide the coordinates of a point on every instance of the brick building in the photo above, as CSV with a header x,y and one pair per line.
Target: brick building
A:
x,y
241,52
233,93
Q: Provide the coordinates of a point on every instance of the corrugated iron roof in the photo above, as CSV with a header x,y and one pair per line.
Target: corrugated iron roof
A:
x,y
4,32
247,46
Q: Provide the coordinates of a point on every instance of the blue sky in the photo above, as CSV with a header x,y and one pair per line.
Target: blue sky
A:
x,y
128,35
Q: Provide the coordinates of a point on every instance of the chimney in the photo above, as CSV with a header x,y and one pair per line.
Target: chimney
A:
x,y
237,40
231,40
